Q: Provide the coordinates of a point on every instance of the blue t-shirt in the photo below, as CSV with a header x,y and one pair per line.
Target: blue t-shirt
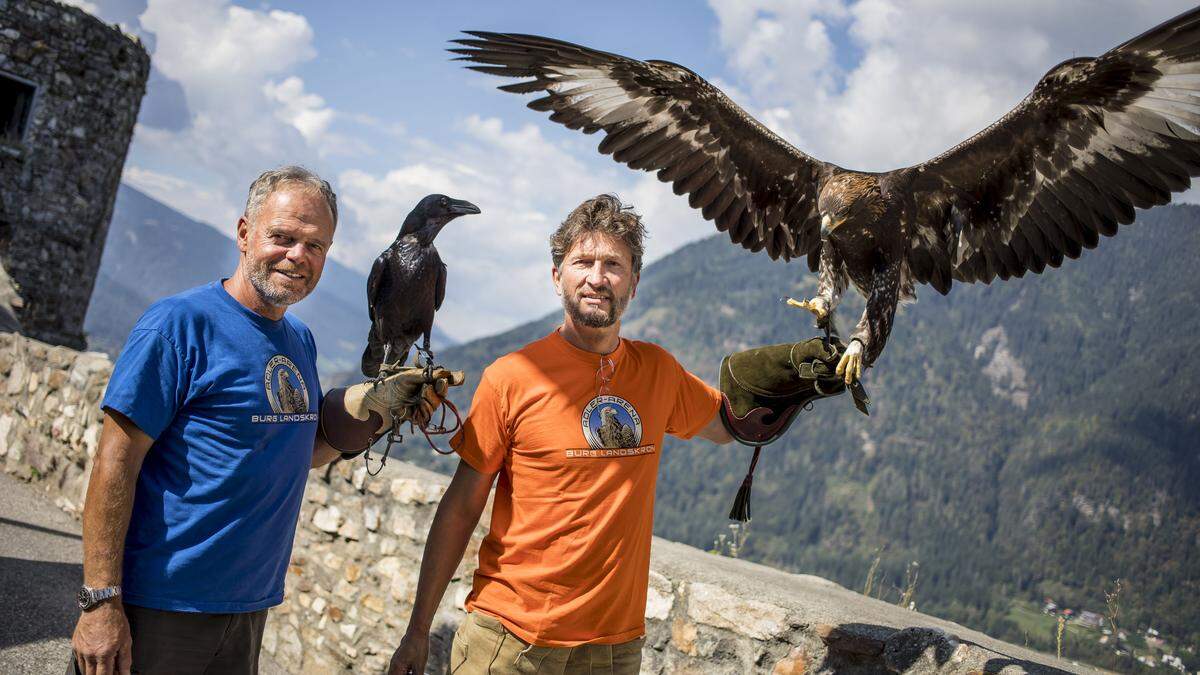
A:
x,y
231,399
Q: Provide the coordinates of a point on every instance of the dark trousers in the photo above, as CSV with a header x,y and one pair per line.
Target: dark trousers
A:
x,y
192,643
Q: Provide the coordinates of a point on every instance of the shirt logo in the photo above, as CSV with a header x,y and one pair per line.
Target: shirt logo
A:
x,y
285,386
611,422
608,453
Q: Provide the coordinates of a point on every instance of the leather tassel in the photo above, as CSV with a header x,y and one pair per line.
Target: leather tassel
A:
x,y
741,503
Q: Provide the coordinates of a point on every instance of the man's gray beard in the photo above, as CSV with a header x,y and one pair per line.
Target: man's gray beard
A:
x,y
594,319
260,279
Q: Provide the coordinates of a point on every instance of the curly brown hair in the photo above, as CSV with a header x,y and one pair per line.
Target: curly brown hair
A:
x,y
606,214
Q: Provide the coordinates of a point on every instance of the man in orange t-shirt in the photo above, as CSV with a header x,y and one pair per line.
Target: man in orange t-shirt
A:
x,y
573,426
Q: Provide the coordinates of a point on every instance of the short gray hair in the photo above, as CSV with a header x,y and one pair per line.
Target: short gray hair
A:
x,y
270,181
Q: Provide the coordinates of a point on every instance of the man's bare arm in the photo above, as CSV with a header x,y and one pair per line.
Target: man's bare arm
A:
x,y
715,431
455,520
323,452
101,640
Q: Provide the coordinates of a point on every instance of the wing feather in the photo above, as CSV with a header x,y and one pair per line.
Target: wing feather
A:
x,y
375,283
1095,140
659,116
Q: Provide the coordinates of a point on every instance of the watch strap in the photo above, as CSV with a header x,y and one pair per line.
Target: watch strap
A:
x,y
90,597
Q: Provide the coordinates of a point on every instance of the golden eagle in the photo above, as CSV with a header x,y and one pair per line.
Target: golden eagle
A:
x,y
291,399
1097,138
613,432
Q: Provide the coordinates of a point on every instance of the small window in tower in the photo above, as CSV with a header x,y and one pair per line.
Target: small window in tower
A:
x,y
16,100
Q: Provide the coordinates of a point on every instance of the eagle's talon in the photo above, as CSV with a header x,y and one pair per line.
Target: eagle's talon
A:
x,y
817,306
849,367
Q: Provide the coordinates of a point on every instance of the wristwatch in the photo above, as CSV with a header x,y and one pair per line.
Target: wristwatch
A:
x,y
90,597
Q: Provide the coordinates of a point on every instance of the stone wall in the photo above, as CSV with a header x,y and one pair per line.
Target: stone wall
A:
x,y
360,539
59,179
50,414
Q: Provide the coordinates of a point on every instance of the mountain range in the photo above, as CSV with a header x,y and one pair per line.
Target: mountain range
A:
x,y
153,251
1030,440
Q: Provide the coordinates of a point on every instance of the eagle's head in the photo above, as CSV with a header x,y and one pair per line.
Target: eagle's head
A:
x,y
848,197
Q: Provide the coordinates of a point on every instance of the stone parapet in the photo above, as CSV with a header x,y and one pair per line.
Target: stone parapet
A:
x,y
50,414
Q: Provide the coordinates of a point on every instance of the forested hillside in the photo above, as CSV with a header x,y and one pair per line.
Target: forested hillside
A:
x,y
1037,438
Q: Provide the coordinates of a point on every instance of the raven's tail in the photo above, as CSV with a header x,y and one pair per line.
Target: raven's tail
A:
x,y
373,355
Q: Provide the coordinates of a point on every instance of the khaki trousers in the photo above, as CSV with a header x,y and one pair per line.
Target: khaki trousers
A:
x,y
483,646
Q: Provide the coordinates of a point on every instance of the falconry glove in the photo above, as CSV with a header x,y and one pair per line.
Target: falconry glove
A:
x,y
353,418
763,389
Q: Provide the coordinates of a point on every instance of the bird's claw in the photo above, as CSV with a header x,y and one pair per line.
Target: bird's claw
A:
x,y
850,366
427,357
817,306
386,370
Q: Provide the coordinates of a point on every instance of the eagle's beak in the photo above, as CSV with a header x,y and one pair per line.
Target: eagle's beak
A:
x,y
826,223
461,207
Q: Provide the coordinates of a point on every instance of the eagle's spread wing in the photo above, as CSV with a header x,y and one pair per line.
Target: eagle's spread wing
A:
x,y
1096,138
659,116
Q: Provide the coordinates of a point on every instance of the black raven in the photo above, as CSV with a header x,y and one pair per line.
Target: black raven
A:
x,y
407,285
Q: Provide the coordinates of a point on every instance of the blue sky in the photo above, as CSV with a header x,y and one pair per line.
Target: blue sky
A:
x,y
364,93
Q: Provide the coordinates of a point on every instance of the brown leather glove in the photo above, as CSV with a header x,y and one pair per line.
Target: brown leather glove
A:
x,y
406,395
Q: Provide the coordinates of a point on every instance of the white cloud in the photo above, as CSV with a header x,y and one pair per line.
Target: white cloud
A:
x,y
303,110
217,49
249,111
930,73
89,7
207,206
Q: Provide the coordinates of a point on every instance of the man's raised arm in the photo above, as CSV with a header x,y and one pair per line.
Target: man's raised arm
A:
x,y
715,431
101,641
455,520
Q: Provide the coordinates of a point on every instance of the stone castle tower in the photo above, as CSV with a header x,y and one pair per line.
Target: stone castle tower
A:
x,y
70,90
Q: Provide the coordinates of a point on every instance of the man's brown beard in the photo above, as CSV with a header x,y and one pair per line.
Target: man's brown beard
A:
x,y
574,308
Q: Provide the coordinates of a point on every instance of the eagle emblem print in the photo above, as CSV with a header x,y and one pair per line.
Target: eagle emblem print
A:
x,y
611,422
285,386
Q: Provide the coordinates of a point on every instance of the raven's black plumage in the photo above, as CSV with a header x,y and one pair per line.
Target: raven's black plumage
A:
x,y
1097,138
408,283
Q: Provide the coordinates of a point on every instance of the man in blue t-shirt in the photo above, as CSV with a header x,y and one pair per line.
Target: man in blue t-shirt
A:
x,y
214,415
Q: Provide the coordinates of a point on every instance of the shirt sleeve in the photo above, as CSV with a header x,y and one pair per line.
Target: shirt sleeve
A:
x,y
484,438
696,404
312,351
148,384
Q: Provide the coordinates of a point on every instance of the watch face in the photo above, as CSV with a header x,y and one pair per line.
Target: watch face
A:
x,y
83,598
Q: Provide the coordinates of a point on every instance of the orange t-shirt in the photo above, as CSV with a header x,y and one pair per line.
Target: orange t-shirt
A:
x,y
567,559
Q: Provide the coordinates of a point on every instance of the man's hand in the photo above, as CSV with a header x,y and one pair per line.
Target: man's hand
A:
x,y
410,656
101,641
404,394
432,396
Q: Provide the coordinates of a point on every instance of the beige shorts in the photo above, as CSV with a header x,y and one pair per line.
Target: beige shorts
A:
x,y
483,646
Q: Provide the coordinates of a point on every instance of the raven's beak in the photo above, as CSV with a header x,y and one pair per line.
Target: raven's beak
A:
x,y
460,207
